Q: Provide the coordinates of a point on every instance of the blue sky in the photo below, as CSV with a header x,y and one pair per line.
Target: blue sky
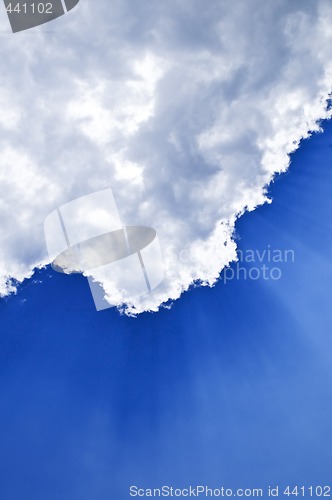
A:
x,y
231,386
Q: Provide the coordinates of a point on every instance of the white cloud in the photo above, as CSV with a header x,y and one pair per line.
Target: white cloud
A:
x,y
187,109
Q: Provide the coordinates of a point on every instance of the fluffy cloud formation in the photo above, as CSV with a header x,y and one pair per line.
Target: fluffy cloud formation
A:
x,y
186,108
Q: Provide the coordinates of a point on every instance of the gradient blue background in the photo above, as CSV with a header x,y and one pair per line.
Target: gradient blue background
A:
x,y
230,387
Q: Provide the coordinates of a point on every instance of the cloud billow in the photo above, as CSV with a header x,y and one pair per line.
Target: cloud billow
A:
x,y
187,109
